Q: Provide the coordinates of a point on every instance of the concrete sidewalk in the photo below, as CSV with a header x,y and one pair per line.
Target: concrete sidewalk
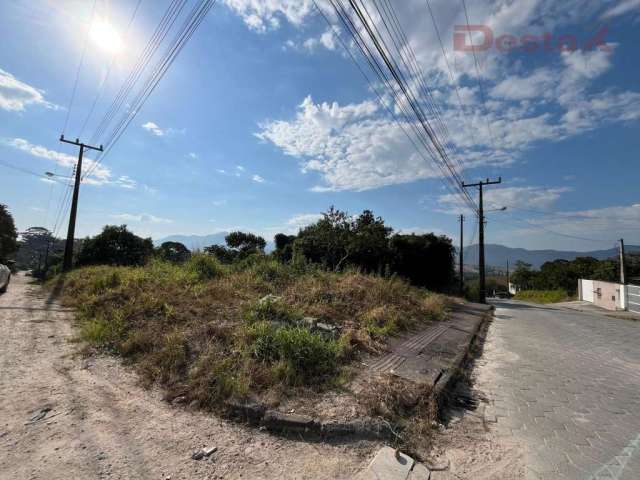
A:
x,y
588,307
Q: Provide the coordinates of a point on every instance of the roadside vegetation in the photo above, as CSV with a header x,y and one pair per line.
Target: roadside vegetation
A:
x,y
542,296
236,323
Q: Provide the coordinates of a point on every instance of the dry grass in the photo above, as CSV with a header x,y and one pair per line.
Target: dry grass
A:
x,y
408,407
199,329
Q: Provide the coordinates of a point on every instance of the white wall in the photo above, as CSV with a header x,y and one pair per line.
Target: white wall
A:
x,y
587,290
623,298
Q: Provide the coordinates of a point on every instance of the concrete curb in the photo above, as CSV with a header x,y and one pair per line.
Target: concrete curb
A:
x,y
445,383
258,415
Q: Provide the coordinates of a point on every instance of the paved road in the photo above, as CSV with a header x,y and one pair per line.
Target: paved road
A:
x,y
566,386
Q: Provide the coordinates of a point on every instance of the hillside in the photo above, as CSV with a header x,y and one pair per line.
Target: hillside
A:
x,y
498,255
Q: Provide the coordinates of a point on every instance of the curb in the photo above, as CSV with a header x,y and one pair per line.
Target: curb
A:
x,y
449,377
275,421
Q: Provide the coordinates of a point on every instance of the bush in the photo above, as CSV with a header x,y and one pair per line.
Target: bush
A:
x,y
542,296
298,355
205,267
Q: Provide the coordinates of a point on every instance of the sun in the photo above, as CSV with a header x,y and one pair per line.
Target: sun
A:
x,y
105,36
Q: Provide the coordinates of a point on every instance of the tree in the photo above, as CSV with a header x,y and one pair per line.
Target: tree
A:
x,y
239,245
245,243
328,241
8,234
370,242
115,246
523,276
222,253
425,260
174,252
35,246
337,240
284,247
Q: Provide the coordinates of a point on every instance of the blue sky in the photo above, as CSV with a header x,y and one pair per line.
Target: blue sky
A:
x,y
263,121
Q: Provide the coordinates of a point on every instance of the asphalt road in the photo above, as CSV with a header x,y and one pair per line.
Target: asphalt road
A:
x,y
564,385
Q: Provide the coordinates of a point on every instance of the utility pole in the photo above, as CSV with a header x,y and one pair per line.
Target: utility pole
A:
x,y
68,247
461,254
483,279
623,270
508,280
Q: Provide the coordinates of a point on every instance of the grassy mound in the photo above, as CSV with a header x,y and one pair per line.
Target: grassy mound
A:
x,y
206,331
542,296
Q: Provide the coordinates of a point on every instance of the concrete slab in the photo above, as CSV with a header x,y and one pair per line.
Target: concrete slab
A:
x,y
386,466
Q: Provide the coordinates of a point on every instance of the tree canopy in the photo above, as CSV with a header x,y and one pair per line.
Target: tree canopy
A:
x,y
115,245
8,234
239,245
174,252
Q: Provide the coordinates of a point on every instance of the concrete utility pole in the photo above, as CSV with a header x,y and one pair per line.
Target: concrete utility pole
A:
x,y
67,263
623,270
483,279
461,254
508,278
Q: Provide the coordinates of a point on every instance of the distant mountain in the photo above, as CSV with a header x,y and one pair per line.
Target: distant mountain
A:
x,y
194,242
497,255
198,242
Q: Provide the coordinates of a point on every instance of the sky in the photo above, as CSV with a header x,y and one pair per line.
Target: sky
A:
x,y
264,119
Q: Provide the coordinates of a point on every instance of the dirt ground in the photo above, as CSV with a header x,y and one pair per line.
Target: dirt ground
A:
x,y
66,417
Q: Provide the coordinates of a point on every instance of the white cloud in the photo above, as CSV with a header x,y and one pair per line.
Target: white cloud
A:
x,y
140,218
100,175
261,15
304,219
153,128
535,85
353,147
510,197
192,155
240,168
15,95
257,178
219,203
623,7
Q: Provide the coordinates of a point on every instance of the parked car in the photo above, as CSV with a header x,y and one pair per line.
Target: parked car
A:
x,y
5,277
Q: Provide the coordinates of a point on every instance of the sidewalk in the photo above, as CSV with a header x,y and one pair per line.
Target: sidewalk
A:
x,y
583,306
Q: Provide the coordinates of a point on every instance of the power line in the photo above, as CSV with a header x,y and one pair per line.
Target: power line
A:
x,y
187,30
75,83
451,75
406,104
29,172
108,72
478,77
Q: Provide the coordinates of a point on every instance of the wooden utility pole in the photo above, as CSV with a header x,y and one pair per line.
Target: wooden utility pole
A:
x,y
67,263
461,254
481,262
623,270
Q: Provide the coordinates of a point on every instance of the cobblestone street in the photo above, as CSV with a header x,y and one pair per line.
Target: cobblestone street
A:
x,y
564,385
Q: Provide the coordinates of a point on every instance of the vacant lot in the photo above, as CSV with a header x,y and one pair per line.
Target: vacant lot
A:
x,y
542,296
258,330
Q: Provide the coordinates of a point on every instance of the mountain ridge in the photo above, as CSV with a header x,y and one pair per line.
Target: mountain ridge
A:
x,y
497,255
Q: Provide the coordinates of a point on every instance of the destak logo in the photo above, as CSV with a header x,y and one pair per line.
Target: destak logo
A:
x,y
463,35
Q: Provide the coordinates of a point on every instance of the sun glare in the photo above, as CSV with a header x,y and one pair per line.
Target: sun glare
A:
x,y
105,36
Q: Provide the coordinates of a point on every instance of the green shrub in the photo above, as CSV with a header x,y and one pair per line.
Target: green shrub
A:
x,y
297,354
205,267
